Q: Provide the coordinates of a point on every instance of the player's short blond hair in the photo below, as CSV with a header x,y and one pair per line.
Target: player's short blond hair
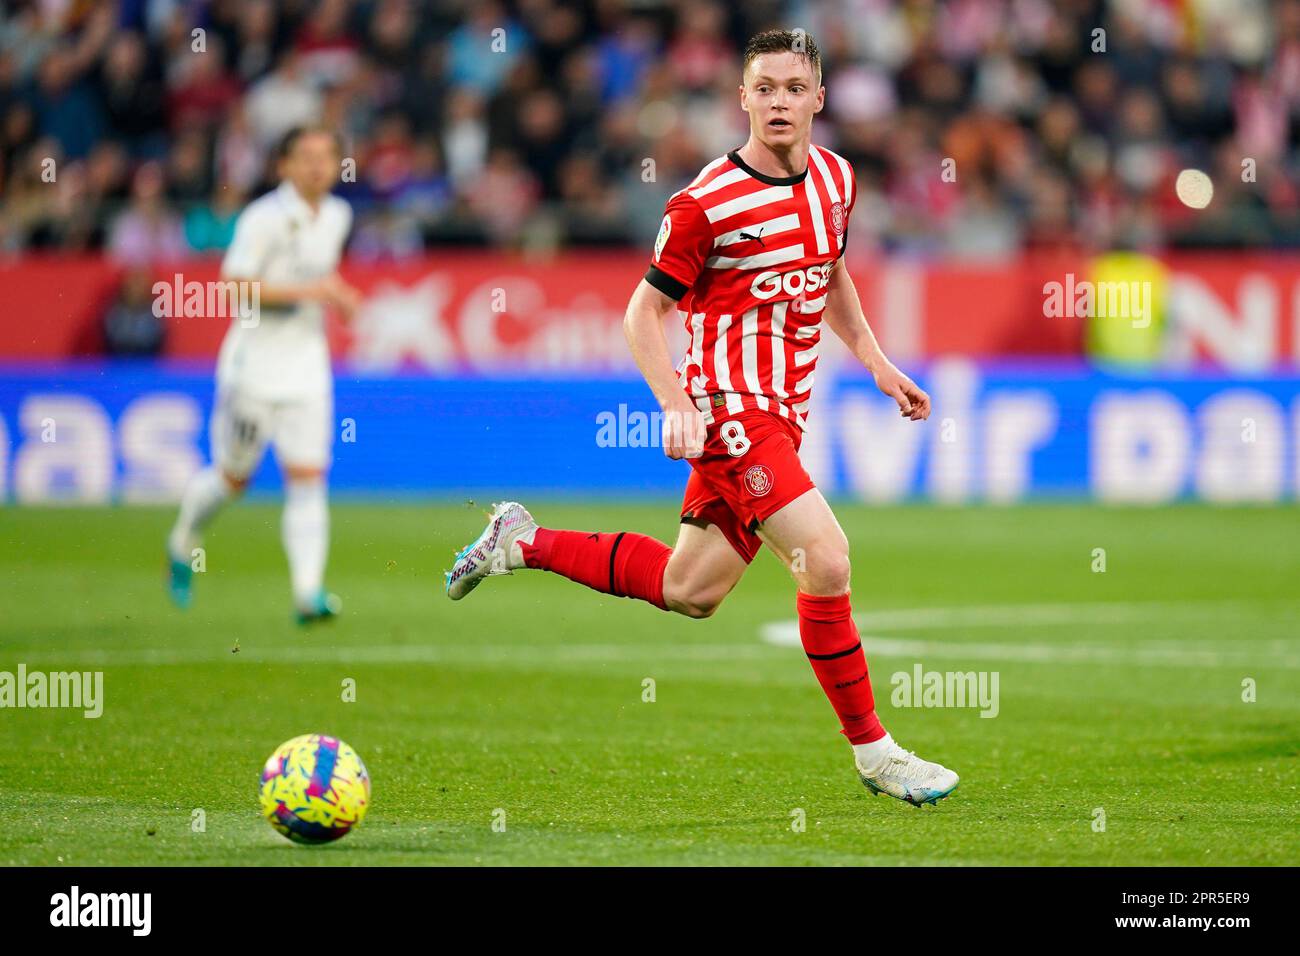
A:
x,y
798,42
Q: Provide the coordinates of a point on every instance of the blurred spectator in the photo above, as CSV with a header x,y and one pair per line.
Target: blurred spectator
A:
x,y
133,97
624,54
254,41
532,121
701,53
424,192
327,52
389,157
981,227
85,196
484,47
239,159
189,173
65,105
202,90
209,226
465,138
284,99
23,40
504,195
130,327
147,231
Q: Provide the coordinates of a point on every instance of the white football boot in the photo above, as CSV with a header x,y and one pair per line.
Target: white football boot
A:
x,y
902,774
495,551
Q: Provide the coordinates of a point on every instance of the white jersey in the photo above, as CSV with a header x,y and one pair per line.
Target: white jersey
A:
x,y
284,355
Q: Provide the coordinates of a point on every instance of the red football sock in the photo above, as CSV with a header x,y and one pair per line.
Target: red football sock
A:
x,y
830,638
623,564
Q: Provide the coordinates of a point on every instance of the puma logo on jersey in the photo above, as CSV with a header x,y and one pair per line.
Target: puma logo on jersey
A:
x,y
756,238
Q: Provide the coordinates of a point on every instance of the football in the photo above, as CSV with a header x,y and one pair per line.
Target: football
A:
x,y
314,789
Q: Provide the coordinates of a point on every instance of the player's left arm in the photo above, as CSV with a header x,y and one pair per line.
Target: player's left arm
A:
x,y
345,297
846,319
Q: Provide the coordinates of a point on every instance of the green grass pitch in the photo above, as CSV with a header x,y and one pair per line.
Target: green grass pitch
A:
x,y
1121,693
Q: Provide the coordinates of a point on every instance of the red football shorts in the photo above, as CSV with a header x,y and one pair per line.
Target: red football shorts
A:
x,y
749,471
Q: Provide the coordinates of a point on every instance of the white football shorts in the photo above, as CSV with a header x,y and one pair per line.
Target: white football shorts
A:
x,y
301,430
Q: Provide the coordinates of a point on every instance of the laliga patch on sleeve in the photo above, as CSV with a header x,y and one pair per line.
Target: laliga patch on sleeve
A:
x,y
665,228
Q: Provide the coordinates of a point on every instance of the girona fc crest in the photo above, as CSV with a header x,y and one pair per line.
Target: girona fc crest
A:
x,y
837,218
759,480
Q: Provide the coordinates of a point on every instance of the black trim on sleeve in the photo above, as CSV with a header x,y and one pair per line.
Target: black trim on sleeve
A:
x,y
665,283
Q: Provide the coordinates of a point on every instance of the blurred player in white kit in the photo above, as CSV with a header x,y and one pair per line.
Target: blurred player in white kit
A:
x,y
274,384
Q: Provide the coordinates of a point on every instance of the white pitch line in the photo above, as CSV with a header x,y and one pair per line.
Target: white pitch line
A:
x,y
1168,654
776,635
1043,615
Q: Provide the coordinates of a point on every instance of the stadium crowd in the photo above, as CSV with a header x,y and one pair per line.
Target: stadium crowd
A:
x,y
142,126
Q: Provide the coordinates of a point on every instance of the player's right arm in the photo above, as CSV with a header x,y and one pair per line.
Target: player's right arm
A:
x,y
683,425
684,241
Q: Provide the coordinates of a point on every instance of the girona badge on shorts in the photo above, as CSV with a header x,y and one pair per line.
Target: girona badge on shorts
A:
x,y
759,480
837,218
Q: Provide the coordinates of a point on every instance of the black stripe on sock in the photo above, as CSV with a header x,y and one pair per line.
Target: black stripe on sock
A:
x,y
831,657
613,551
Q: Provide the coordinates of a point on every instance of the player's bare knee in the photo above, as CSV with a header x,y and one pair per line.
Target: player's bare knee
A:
x,y
697,606
693,601
827,572
693,604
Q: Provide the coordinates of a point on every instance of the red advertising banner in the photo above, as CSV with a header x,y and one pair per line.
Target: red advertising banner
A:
x,y
487,311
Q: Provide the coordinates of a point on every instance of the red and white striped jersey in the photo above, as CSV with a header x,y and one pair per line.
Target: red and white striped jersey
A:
x,y
748,257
